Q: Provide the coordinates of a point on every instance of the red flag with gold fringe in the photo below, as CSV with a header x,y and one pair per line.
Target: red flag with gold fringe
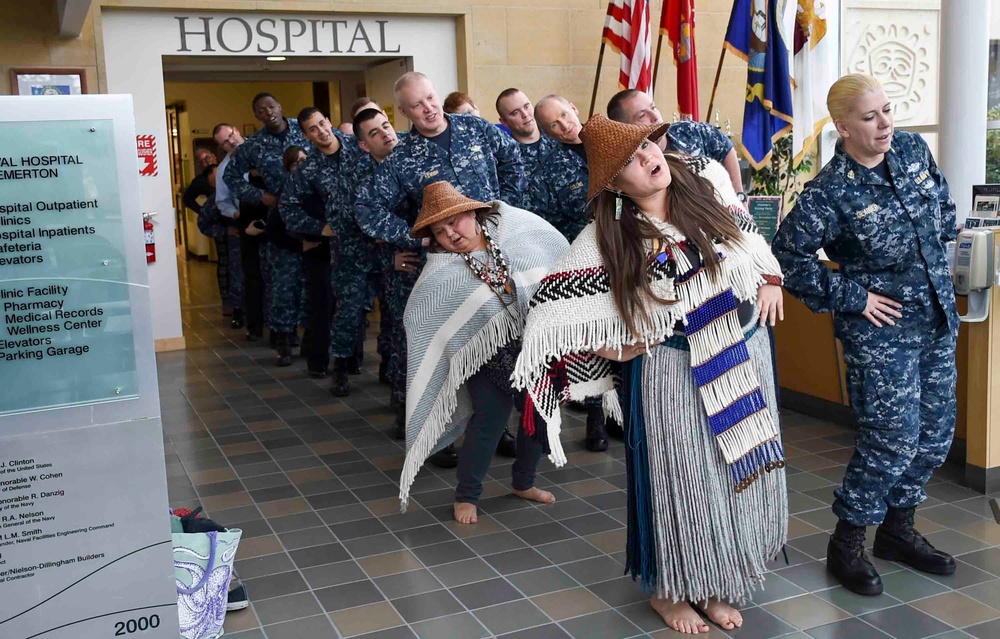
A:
x,y
677,23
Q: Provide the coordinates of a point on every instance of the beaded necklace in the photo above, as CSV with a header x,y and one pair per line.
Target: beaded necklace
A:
x,y
497,277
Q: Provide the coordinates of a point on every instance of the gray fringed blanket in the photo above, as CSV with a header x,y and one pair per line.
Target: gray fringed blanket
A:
x,y
574,314
455,323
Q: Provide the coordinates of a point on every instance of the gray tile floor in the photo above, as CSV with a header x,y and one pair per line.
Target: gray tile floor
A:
x,y
312,482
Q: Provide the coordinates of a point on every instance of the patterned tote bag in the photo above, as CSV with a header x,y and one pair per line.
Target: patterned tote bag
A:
x,y
203,566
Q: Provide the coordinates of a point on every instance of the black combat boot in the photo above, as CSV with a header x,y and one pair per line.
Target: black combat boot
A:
x,y
339,386
846,560
238,321
897,540
354,365
284,350
597,437
507,446
444,458
614,429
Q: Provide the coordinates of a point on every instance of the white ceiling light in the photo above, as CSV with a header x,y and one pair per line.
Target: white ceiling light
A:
x,y
276,58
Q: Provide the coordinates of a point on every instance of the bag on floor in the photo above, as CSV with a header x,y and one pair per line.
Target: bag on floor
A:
x,y
203,566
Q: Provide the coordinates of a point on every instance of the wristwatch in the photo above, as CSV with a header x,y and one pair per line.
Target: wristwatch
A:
x,y
742,196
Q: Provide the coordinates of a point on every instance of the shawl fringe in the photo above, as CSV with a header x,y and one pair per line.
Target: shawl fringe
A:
x,y
731,398
498,332
455,324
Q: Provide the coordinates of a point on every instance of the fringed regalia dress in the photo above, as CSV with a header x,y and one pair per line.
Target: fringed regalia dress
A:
x,y
707,507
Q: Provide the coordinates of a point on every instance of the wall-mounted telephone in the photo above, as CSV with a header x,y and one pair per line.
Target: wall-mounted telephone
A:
x,y
973,271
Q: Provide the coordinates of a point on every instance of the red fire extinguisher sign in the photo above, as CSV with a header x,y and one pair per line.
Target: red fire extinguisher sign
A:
x,y
147,227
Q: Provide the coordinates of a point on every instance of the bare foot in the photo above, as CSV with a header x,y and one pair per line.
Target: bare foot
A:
x,y
721,614
535,494
680,616
465,513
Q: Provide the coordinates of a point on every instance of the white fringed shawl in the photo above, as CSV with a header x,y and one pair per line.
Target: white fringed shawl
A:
x,y
455,324
573,314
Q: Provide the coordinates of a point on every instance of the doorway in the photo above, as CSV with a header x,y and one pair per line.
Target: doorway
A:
x,y
145,50
203,91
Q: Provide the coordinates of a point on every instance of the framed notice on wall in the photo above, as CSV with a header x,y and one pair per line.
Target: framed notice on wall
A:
x,y
766,212
39,81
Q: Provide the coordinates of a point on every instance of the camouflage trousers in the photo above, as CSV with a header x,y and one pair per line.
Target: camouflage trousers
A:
x,y
902,392
287,294
398,287
379,284
234,273
222,269
350,266
267,276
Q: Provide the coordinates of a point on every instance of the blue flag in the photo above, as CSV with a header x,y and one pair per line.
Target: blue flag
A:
x,y
755,35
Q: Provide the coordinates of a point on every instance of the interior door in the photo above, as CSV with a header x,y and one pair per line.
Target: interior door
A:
x,y
177,176
379,80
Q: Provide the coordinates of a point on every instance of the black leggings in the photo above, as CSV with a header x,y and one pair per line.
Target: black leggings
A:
x,y
491,408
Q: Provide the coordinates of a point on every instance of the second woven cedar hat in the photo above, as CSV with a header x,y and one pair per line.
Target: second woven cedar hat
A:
x,y
609,145
441,201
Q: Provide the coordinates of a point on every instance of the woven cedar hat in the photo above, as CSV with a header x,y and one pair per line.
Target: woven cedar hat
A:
x,y
441,201
609,145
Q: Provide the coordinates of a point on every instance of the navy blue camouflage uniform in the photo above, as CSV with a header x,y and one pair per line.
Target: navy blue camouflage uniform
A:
x,y
482,162
393,291
263,151
287,309
334,179
889,239
213,224
698,138
396,287
557,185
298,210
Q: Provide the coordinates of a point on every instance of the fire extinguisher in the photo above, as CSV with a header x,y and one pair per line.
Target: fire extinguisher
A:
x,y
147,227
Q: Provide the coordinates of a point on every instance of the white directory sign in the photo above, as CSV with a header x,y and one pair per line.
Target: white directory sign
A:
x,y
85,545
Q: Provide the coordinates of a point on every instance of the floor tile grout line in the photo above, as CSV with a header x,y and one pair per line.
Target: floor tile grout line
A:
x,y
251,363
285,549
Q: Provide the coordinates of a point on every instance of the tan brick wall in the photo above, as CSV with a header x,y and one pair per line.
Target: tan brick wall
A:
x,y
29,38
551,46
542,46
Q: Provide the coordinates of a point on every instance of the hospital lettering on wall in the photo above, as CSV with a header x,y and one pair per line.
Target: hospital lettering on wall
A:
x,y
234,34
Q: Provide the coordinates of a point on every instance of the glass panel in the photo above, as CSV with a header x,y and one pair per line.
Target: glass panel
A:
x,y
993,156
993,93
65,326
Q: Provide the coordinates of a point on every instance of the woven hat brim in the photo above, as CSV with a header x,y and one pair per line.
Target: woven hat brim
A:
x,y
653,132
422,227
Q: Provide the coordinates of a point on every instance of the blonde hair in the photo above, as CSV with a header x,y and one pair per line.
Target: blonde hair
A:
x,y
405,80
846,90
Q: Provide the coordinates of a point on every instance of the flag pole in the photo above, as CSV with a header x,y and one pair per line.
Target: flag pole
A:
x,y
715,85
656,62
597,78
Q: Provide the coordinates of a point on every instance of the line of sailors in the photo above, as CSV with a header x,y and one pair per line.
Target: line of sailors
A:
x,y
312,223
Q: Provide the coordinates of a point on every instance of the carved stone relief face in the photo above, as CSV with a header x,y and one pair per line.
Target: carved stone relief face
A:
x,y
898,55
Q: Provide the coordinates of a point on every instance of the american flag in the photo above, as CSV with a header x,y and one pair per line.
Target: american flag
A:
x,y
626,30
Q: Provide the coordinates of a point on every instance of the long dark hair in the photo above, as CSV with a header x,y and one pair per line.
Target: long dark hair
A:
x,y
691,207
